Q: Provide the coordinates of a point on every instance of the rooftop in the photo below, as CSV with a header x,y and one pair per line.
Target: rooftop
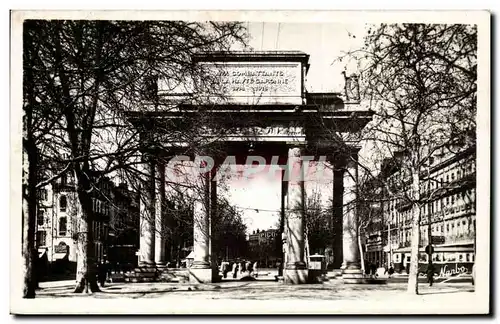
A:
x,y
252,56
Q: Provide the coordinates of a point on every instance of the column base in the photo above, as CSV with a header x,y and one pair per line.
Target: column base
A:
x,y
200,275
352,276
296,276
161,265
200,265
147,264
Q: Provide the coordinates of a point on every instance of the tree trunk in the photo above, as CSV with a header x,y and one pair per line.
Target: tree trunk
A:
x,y
86,274
29,182
29,217
415,234
360,246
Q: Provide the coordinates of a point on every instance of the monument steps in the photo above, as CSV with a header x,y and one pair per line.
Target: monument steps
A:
x,y
160,274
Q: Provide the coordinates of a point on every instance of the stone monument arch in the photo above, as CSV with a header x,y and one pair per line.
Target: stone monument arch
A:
x,y
265,94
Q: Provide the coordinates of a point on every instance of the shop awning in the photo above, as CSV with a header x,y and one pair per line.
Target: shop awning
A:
x,y
439,248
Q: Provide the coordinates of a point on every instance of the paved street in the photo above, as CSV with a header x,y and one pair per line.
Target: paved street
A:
x,y
266,296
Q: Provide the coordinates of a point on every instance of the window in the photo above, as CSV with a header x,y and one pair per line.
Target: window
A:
x,y
42,194
64,180
450,257
62,226
63,203
41,238
40,219
439,256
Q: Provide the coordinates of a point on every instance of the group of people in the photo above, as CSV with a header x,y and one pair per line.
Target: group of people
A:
x,y
371,269
243,268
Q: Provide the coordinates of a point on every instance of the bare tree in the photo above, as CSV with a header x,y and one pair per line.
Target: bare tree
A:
x,y
96,71
39,121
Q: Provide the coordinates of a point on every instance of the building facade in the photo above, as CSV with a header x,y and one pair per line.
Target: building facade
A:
x,y
57,215
448,188
59,211
123,236
263,246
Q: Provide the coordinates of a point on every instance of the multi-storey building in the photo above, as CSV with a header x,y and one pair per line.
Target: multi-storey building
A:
x,y
124,226
57,213
262,246
57,219
448,189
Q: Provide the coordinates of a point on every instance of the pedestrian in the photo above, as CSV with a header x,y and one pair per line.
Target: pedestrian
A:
x,y
225,268
367,268
101,273
430,274
391,271
242,267
249,267
374,269
235,270
255,269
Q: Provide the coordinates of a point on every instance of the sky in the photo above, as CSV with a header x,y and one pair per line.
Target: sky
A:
x,y
259,198
324,42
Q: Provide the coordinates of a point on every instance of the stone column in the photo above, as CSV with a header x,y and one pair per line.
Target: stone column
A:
x,y
282,232
200,271
337,217
296,270
351,266
212,215
160,215
147,213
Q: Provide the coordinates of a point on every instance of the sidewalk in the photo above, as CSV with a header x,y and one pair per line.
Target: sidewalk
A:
x,y
262,297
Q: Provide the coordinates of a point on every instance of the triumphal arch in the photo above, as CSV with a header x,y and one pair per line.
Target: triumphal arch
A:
x,y
263,95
